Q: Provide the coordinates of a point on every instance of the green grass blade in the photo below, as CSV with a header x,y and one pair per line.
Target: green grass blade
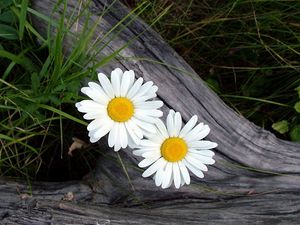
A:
x,y
22,18
258,100
18,59
66,115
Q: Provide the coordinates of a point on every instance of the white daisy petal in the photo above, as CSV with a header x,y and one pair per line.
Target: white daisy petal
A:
x,y
95,124
89,106
116,81
140,152
208,153
143,90
132,78
94,115
203,144
97,87
95,95
137,130
149,95
132,134
112,136
92,133
104,130
171,181
152,90
143,98
117,145
159,176
162,129
155,138
94,140
148,143
143,117
195,162
150,112
131,143
149,105
146,126
184,172
203,133
148,161
105,83
151,154
193,169
188,126
153,168
182,180
204,159
176,175
192,134
170,123
172,112
135,88
123,135
167,175
125,83
177,123
100,92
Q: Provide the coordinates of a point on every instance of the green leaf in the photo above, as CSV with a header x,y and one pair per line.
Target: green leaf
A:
x,y
297,107
8,32
19,59
7,17
35,82
66,115
281,126
22,18
5,3
295,133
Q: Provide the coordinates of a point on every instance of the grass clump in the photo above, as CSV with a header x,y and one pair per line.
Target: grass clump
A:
x,y
247,51
37,90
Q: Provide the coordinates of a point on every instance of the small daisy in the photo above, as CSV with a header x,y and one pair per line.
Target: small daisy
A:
x,y
172,151
119,107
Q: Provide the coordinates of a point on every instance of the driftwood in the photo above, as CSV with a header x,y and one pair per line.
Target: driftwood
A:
x,y
255,179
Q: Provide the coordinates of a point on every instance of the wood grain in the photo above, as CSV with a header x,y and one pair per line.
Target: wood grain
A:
x,y
255,179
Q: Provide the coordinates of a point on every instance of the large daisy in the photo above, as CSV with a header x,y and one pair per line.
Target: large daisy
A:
x,y
121,107
173,151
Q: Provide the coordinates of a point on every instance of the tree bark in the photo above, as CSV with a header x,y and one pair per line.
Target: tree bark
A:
x,y
255,179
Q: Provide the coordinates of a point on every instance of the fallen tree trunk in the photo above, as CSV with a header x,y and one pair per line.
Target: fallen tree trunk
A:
x,y
255,179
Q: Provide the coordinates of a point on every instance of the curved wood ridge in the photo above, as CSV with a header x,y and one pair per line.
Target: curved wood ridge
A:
x,y
255,179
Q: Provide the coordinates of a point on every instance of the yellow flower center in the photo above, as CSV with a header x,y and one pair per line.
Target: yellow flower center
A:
x,y
120,109
173,149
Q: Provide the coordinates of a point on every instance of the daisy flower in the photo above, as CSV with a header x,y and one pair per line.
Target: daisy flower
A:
x,y
173,151
120,107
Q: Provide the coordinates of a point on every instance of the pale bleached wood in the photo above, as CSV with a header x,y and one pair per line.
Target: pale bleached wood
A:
x,y
229,194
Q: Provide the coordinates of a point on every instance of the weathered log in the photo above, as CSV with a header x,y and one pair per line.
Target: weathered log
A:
x,y
255,179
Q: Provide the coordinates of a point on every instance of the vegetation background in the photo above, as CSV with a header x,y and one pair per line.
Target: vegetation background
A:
x,y
246,50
